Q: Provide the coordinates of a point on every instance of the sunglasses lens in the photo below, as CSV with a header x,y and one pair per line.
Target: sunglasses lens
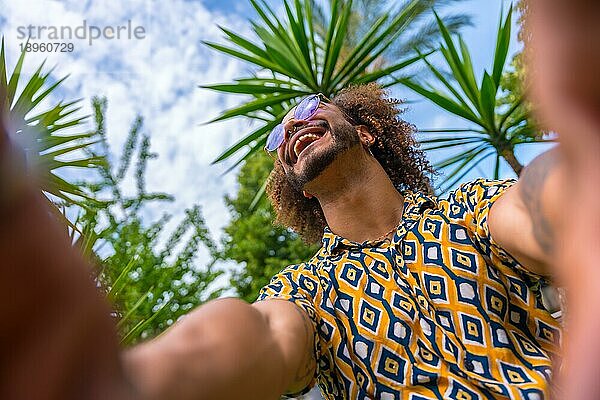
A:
x,y
304,110
307,107
275,138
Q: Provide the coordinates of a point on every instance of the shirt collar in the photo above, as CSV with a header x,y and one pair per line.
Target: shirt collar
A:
x,y
414,205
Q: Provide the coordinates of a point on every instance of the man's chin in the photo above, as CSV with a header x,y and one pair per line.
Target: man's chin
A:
x,y
311,165
309,168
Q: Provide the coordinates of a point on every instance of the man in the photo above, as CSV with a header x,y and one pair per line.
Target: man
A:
x,y
410,296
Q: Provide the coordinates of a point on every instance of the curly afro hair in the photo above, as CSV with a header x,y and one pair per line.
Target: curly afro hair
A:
x,y
395,149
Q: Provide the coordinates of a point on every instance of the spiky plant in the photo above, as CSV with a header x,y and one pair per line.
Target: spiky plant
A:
x,y
53,136
309,49
499,122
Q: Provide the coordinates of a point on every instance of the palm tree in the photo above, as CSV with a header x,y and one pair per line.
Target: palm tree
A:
x,y
422,32
312,49
500,121
42,133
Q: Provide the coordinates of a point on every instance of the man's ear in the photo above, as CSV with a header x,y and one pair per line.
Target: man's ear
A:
x,y
365,136
307,195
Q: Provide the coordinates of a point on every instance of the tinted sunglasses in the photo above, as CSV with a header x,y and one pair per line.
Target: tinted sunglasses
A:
x,y
307,107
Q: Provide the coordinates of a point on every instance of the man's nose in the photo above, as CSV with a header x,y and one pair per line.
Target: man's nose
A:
x,y
292,126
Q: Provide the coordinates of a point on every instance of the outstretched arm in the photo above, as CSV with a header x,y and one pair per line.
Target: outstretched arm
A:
x,y
564,61
228,349
58,341
524,220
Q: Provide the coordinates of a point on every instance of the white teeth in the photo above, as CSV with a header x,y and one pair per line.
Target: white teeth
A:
x,y
303,138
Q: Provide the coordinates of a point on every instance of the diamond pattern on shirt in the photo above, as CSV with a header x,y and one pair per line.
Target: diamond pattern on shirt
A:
x,y
440,311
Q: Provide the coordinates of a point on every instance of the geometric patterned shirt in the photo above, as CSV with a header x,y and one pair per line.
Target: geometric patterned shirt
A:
x,y
439,311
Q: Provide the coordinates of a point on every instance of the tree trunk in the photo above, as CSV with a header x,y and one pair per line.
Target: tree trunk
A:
x,y
509,156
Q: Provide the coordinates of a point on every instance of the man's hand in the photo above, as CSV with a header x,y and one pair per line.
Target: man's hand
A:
x,y
228,349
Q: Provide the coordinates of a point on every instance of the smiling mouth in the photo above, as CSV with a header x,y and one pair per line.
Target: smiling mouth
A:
x,y
304,138
303,142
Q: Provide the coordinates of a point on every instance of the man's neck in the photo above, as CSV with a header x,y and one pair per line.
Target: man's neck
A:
x,y
360,202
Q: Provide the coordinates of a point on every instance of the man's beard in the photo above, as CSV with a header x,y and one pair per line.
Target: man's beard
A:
x,y
344,137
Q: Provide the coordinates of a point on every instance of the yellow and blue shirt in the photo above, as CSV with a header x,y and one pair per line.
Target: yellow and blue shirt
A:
x,y
438,312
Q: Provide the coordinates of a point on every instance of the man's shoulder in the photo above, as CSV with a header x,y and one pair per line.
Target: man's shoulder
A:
x,y
307,266
468,202
479,190
473,190
295,281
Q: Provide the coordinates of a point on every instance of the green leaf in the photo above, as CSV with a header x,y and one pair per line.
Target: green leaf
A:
x,y
446,83
361,49
502,44
515,106
14,79
373,50
467,65
259,145
374,76
259,9
464,167
245,43
462,159
117,283
301,41
254,105
442,101
311,35
449,145
288,59
259,195
335,40
244,56
51,141
3,78
455,63
137,305
442,130
254,88
26,98
488,102
497,167
257,134
50,148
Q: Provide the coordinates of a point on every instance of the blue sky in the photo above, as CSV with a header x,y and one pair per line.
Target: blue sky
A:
x,y
158,77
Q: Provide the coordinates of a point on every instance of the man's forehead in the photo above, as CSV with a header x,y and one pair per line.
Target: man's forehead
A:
x,y
290,113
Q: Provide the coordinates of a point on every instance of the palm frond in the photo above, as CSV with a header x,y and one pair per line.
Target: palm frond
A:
x,y
43,134
498,124
319,47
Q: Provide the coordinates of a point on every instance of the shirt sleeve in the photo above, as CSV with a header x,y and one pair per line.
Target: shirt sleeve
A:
x,y
298,284
476,198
